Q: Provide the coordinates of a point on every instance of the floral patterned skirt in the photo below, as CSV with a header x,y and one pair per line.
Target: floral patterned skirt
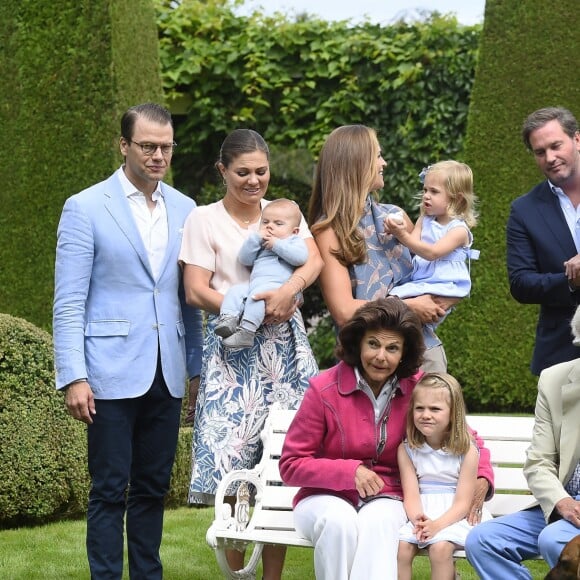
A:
x,y
236,390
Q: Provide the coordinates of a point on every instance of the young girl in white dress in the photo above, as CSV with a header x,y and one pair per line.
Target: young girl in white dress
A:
x,y
438,466
441,239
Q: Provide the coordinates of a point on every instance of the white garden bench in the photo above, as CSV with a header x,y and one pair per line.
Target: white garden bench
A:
x,y
270,521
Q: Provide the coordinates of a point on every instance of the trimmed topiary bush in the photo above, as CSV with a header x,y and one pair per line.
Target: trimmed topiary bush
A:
x,y
42,449
489,340
69,70
181,474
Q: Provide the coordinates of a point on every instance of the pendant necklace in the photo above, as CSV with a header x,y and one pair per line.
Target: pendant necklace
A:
x,y
243,221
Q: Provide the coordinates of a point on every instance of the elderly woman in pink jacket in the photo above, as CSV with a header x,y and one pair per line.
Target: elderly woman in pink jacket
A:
x,y
342,445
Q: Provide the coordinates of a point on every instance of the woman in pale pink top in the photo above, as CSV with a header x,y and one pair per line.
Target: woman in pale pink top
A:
x,y
238,386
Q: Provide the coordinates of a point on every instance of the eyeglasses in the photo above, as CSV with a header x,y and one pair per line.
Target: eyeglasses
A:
x,y
151,148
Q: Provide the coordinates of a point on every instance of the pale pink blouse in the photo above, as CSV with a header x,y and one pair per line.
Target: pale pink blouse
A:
x,y
212,240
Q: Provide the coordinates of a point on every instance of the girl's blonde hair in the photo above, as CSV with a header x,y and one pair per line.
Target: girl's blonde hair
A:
x,y
458,180
458,438
345,173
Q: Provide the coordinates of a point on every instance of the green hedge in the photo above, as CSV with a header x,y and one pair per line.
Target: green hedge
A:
x,y
42,449
69,69
181,474
528,55
296,80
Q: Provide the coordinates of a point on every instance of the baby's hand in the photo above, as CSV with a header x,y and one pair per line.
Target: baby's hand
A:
x,y
268,241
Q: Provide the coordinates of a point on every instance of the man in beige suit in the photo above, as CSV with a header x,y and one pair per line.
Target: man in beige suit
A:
x,y
497,547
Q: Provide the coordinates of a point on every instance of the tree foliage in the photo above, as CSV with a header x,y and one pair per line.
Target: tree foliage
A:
x,y
527,54
294,81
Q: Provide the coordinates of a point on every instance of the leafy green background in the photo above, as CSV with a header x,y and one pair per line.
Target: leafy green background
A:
x,y
295,81
527,56
70,68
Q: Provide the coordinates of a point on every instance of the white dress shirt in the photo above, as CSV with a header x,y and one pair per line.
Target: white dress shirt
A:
x,y
152,225
571,213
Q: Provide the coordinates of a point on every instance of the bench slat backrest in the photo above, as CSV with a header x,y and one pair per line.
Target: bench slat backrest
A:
x,y
507,439
276,499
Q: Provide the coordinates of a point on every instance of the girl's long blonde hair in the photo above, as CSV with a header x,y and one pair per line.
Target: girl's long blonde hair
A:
x,y
345,173
458,438
458,180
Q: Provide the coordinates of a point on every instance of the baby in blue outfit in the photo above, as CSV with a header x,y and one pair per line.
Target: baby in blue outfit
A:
x,y
273,253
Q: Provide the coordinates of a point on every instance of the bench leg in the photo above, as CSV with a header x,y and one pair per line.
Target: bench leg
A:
x,y
248,572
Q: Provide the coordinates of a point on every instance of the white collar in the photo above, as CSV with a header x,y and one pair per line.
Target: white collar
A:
x,y
129,189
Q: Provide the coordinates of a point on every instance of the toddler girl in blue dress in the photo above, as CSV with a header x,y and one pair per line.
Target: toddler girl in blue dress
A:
x,y
441,239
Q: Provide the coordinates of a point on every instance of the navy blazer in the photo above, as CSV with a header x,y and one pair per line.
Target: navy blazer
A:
x,y
111,316
538,243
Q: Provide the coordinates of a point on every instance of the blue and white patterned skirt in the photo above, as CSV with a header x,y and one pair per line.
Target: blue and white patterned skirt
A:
x,y
236,390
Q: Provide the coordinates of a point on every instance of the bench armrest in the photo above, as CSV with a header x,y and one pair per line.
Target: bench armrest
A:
x,y
222,509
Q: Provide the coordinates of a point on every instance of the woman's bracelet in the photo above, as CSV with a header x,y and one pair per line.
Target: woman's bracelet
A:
x,y
299,287
295,286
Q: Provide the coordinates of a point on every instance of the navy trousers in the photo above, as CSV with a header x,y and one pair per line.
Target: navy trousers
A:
x,y
131,449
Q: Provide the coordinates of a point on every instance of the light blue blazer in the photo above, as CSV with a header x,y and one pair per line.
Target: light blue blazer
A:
x,y
110,315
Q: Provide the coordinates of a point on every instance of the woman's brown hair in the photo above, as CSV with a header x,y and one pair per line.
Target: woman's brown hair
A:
x,y
391,314
345,173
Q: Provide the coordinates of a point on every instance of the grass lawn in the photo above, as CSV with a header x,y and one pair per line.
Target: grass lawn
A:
x,y
57,551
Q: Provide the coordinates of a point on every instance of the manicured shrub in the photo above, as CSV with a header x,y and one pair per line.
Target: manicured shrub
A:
x,y
489,340
181,474
69,69
42,449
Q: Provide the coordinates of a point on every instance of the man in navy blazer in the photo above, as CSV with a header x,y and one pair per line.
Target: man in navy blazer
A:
x,y
125,342
543,235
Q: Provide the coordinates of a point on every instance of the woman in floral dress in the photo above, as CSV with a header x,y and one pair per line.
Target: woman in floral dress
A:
x,y
238,386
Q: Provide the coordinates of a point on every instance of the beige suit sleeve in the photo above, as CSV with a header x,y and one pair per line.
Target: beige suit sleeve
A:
x,y
542,467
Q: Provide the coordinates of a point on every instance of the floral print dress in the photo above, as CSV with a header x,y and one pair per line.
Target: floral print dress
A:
x,y
238,388
388,263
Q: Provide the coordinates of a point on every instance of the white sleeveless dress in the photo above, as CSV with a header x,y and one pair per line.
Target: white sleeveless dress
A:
x,y
438,472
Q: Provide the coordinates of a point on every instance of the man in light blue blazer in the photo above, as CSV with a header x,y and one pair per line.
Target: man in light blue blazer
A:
x,y
496,548
125,342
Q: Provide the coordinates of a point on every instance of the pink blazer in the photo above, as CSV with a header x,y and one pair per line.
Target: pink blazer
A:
x,y
334,431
